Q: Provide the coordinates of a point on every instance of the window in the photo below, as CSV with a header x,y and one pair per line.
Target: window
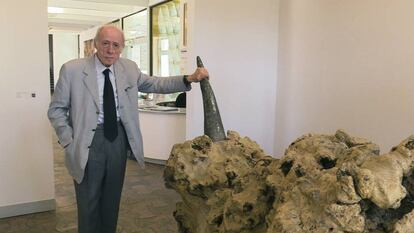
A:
x,y
136,39
165,41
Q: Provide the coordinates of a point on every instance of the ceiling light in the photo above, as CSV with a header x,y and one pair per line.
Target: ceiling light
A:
x,y
54,9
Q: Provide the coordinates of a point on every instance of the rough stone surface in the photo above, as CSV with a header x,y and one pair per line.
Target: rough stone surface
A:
x,y
323,183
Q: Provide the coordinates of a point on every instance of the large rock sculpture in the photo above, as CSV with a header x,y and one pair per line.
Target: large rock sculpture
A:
x,y
323,183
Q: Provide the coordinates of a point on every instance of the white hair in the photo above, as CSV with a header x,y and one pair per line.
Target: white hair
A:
x,y
98,33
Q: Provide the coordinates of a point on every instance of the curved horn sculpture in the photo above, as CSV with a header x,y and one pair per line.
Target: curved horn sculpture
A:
x,y
213,127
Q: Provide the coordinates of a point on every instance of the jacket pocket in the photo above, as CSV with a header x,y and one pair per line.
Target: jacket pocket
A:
x,y
69,150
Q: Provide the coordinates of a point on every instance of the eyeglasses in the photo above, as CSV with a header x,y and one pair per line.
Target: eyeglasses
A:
x,y
115,46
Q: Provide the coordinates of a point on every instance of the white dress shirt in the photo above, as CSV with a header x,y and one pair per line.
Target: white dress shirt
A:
x,y
101,83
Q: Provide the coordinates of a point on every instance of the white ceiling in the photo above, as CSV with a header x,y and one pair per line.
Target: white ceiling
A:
x,y
80,15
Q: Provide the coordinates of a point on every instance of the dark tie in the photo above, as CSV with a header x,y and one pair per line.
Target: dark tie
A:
x,y
110,120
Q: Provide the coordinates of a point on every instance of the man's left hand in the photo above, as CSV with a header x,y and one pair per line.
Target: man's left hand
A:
x,y
198,75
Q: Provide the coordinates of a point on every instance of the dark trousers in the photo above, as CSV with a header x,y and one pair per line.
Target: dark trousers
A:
x,y
99,194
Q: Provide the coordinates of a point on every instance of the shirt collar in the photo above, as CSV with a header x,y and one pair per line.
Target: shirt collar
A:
x,y
100,67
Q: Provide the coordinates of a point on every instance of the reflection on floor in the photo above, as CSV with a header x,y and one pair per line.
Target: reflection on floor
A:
x,y
146,205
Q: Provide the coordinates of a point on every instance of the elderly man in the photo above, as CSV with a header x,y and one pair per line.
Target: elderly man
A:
x,y
95,116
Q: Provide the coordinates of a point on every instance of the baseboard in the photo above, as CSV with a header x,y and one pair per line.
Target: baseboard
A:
x,y
155,161
27,208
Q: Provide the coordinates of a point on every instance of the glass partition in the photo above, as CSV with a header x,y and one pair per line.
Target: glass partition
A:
x,y
136,39
165,41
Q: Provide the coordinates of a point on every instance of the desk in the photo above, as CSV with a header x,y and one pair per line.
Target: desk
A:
x,y
160,131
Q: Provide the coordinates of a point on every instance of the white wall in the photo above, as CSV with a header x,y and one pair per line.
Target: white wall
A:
x,y
346,64
65,48
26,157
237,41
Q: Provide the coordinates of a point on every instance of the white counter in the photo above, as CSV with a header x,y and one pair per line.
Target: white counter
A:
x,y
161,128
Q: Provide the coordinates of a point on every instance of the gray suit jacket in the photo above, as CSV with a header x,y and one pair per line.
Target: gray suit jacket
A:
x,y
74,108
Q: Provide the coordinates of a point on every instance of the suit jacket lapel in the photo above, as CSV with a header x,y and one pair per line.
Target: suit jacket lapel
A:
x,y
91,80
122,84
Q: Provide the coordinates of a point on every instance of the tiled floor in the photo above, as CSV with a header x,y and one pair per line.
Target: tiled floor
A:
x,y
146,205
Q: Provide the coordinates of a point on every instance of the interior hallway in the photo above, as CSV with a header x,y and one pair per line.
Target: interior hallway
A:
x,y
146,205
